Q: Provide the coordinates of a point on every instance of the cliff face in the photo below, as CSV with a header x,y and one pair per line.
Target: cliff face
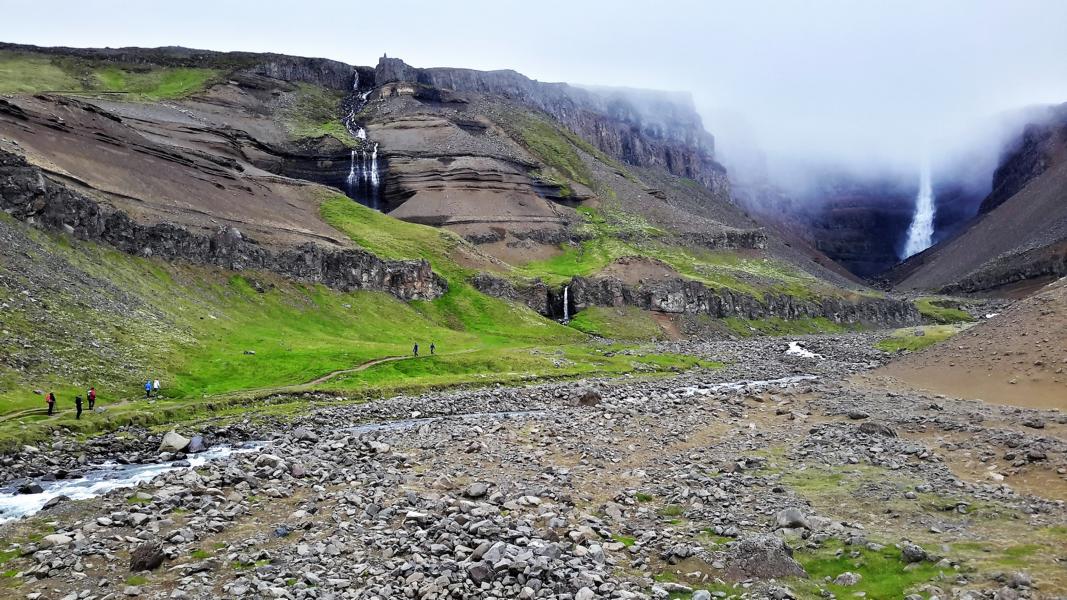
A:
x,y
1038,147
683,296
642,128
29,196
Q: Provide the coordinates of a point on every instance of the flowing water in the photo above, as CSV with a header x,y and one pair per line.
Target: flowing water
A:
x,y
105,477
363,182
921,231
566,304
737,386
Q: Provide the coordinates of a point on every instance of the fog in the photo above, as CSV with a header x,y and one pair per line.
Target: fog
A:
x,y
867,85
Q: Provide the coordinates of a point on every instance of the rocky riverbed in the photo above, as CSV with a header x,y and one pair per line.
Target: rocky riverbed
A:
x,y
798,479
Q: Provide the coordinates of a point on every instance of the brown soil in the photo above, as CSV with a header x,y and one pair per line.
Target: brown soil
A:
x,y
1018,357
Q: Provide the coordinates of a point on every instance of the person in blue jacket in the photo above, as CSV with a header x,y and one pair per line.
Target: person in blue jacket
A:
x,y
147,389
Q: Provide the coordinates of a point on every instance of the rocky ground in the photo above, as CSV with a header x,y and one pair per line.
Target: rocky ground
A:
x,y
818,485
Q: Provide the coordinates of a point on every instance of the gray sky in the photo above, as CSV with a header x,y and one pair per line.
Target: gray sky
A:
x,y
858,81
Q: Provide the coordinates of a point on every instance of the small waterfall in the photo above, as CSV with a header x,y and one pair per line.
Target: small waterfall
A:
x,y
364,180
361,134
921,231
351,171
566,304
374,170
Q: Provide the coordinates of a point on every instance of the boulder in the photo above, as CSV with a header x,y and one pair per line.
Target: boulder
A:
x,y
196,444
55,502
872,428
588,397
911,553
847,579
761,557
476,490
56,539
174,442
304,434
30,488
791,518
146,557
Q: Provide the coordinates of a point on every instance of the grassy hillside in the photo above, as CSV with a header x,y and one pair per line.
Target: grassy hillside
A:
x,y
95,316
30,73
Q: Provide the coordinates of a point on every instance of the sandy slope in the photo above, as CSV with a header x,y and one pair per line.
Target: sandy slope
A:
x,y
1018,357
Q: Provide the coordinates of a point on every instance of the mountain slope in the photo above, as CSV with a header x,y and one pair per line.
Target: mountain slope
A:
x,y
1017,357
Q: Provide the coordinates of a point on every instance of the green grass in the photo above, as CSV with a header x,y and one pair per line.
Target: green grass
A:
x,y
314,113
150,84
551,144
136,580
904,339
618,323
31,73
938,310
191,326
883,572
778,327
625,540
199,554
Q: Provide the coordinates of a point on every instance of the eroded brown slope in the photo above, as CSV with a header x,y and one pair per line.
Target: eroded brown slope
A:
x,y
1018,357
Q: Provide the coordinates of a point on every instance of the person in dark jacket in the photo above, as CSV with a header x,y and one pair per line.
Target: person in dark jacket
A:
x,y
415,350
51,400
92,397
433,348
78,406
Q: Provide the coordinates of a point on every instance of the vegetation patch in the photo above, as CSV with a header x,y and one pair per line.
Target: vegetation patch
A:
x,y
549,143
941,310
883,574
33,73
618,323
314,113
913,339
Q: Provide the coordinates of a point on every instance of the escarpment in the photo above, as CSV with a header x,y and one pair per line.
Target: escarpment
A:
x,y
28,195
639,127
677,295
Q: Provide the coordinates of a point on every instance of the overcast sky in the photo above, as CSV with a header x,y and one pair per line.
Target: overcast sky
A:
x,y
844,80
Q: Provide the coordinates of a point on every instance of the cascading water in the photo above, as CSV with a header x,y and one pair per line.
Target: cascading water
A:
x,y
566,304
921,231
364,181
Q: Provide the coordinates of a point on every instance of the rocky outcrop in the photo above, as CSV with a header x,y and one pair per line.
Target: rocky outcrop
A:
x,y
640,127
29,196
728,239
684,296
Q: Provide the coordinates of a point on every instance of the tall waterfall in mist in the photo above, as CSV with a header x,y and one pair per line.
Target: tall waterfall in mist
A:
x,y
921,231
363,182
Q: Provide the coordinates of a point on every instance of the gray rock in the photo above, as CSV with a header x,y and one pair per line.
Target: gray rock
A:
x,y
791,518
848,579
174,442
911,553
762,557
147,557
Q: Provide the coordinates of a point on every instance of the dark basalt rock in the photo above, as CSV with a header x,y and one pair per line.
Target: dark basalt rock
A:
x,y
29,196
146,557
684,296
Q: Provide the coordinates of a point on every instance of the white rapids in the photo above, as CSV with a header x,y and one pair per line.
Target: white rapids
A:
x,y
795,349
106,477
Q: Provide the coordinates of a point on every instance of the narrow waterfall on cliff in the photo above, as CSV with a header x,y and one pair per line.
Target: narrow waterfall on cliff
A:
x,y
566,305
921,231
363,183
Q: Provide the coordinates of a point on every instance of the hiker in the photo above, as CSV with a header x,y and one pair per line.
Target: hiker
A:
x,y
433,348
147,389
92,397
415,350
155,387
51,400
78,406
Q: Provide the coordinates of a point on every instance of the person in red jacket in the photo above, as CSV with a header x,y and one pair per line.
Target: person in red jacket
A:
x,y
51,400
91,395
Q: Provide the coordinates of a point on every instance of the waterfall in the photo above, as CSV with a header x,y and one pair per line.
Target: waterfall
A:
x,y
374,169
566,304
921,231
351,171
361,134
